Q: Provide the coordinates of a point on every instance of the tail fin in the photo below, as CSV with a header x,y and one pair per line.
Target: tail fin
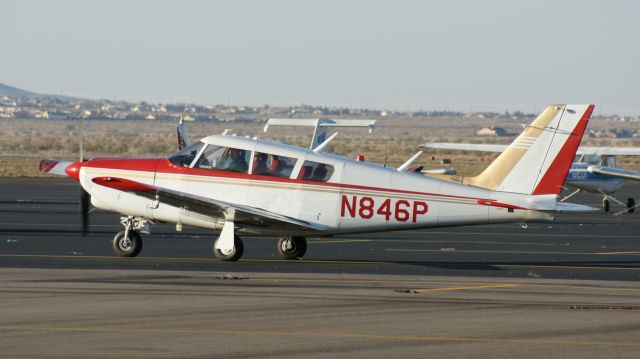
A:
x,y
537,161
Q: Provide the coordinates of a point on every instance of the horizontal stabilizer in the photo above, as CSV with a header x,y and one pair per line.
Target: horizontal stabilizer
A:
x,y
572,207
614,172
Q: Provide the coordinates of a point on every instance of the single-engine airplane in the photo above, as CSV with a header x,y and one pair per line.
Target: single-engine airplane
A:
x,y
594,169
243,185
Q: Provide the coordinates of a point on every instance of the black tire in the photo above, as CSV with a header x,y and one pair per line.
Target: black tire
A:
x,y
234,255
127,248
606,206
631,205
292,247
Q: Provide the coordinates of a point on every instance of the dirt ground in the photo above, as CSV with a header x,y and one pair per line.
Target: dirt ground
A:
x,y
25,142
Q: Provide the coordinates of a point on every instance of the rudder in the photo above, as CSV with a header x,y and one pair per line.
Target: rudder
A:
x,y
537,161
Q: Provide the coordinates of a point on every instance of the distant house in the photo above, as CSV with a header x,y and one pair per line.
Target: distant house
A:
x,y
492,131
58,116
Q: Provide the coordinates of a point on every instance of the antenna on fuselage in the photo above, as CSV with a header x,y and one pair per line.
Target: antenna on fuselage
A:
x,y
324,144
409,162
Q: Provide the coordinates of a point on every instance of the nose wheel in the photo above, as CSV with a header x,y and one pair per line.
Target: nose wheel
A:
x,y
292,247
127,243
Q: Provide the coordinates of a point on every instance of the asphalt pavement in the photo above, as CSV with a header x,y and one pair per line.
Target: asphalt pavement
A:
x,y
566,288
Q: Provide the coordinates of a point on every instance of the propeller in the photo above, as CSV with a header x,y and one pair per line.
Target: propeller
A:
x,y
85,202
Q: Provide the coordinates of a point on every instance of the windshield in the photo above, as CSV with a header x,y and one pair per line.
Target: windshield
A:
x,y
185,156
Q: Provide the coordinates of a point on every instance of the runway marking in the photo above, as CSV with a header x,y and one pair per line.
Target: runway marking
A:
x,y
456,241
564,267
529,234
189,259
322,241
213,260
509,252
619,253
448,289
311,334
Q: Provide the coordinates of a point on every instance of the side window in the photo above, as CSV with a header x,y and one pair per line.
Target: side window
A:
x,y
224,159
185,156
315,171
265,164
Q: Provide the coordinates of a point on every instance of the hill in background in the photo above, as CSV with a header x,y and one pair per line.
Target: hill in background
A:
x,y
9,91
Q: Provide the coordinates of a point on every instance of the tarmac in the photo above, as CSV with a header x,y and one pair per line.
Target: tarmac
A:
x,y
561,289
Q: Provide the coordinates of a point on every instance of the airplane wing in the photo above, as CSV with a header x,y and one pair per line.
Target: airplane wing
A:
x,y
482,147
614,172
244,215
609,151
600,151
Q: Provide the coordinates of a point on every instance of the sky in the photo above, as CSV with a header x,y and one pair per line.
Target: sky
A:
x,y
465,56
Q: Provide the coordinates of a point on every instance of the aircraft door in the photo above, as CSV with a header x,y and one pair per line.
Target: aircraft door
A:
x,y
317,193
270,187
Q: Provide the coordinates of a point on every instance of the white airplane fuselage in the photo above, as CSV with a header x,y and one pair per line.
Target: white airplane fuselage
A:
x,y
360,197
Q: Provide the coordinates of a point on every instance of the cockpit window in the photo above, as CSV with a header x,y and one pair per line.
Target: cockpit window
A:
x,y
315,171
185,156
224,159
266,164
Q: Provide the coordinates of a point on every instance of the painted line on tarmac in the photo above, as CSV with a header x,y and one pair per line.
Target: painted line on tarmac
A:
x,y
310,334
473,287
454,241
509,252
619,253
332,241
187,259
564,267
530,234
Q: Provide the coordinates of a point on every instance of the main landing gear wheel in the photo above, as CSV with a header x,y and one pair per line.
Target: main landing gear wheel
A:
x,y
232,255
631,205
292,247
606,205
127,246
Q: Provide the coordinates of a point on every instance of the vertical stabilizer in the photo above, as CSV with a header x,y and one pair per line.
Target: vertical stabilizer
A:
x,y
537,161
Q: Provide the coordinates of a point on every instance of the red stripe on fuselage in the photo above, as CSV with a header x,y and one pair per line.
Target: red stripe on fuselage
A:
x,y
131,164
491,203
164,166
554,178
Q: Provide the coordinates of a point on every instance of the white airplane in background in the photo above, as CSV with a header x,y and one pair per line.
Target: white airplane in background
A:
x,y
594,169
245,185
